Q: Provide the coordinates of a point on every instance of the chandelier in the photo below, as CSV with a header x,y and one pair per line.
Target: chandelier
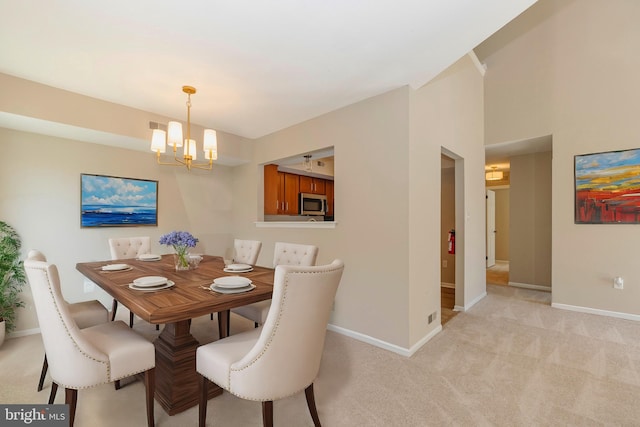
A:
x,y
494,175
173,137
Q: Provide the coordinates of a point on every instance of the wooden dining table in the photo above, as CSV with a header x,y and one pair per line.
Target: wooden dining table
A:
x,y
175,307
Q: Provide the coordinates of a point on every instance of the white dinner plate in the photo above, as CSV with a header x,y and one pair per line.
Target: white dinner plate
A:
x,y
115,267
166,285
238,267
220,290
231,282
149,281
237,271
149,257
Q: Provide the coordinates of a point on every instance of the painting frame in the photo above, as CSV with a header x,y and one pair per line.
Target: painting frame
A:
x,y
607,187
114,201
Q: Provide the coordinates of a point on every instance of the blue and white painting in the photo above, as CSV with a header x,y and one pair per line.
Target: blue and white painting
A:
x,y
109,201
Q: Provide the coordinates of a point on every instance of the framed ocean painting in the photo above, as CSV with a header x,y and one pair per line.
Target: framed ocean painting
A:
x,y
607,187
111,201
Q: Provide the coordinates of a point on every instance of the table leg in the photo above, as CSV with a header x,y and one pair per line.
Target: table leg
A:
x,y
223,323
176,378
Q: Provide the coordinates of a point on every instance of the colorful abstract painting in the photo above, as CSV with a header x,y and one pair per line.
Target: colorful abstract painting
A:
x,y
109,201
607,188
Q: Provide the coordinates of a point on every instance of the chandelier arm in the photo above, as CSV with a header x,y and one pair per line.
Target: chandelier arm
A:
x,y
176,162
203,166
179,163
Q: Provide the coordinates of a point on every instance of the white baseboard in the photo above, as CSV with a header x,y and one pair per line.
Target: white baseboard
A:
x,y
23,333
407,352
471,304
417,346
528,286
447,285
475,301
627,316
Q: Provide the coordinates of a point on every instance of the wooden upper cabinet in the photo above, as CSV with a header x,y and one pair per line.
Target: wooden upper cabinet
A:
x,y
271,190
312,185
280,192
329,192
290,194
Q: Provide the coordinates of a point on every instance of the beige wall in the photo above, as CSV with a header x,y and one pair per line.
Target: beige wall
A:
x,y
575,75
370,142
40,194
446,115
530,220
502,223
70,115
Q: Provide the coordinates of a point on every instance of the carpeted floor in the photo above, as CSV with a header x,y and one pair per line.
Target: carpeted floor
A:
x,y
511,360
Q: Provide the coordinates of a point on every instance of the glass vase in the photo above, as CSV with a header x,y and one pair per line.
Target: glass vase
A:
x,y
181,260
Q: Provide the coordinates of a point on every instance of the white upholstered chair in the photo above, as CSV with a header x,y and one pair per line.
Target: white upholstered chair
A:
x,y
246,251
284,254
85,314
124,248
282,357
82,358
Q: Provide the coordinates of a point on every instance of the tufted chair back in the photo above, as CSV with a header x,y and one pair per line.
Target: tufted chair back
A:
x,y
82,358
294,254
85,314
73,362
129,247
246,251
283,357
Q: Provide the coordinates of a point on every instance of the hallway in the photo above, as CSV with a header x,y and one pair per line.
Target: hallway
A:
x,y
447,302
498,274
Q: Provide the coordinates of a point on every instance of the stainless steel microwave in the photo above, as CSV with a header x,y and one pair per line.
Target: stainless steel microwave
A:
x,y
312,204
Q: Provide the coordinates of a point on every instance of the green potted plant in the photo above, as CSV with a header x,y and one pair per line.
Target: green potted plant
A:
x,y
12,278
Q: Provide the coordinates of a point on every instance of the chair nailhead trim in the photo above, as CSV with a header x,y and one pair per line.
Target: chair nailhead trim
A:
x,y
50,288
266,347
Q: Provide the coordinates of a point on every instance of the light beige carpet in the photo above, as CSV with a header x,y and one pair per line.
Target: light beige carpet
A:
x,y
511,360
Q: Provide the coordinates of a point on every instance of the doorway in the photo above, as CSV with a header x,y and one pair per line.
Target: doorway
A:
x,y
451,286
525,182
497,229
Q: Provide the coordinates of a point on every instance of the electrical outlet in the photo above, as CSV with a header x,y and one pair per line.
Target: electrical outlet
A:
x,y
618,283
89,286
444,263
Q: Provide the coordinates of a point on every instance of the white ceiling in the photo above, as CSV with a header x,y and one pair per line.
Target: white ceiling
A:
x,y
259,66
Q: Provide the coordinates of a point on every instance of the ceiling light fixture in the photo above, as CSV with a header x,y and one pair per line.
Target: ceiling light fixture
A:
x,y
173,136
308,166
493,175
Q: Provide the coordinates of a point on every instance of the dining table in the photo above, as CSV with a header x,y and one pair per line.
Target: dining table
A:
x,y
187,297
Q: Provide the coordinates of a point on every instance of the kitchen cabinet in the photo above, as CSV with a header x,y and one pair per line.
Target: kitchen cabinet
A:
x,y
280,192
271,190
329,191
312,185
289,189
